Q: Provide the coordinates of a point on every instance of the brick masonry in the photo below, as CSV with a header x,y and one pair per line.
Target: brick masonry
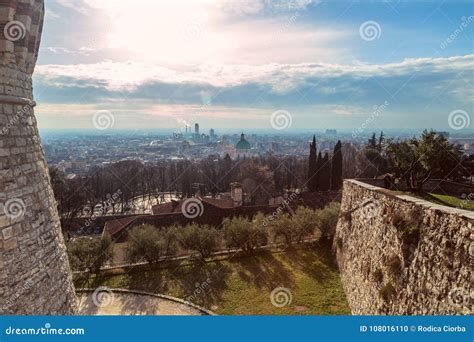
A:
x,y
34,270
385,270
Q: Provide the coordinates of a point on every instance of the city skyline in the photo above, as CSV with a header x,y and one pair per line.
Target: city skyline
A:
x,y
316,64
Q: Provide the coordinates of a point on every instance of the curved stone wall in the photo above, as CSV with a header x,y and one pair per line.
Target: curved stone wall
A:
x,y
400,255
34,271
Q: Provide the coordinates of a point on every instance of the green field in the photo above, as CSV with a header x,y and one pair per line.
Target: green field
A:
x,y
242,285
452,201
449,201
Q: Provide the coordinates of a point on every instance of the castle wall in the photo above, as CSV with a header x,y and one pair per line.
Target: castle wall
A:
x,y
399,255
34,270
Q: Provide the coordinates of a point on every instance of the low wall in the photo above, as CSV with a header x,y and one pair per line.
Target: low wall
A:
x,y
399,255
437,186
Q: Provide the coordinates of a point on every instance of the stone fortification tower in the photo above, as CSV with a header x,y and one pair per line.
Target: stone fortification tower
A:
x,y
34,271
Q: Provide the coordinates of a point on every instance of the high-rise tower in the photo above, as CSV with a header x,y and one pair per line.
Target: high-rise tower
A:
x,y
34,272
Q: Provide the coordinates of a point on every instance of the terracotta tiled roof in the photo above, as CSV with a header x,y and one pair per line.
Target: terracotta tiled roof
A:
x,y
167,208
115,226
175,206
220,203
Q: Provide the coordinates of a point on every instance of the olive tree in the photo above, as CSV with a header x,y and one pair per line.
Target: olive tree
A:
x,y
199,238
149,243
90,253
243,234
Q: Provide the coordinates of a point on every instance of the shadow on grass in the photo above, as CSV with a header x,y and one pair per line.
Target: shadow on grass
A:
x,y
263,270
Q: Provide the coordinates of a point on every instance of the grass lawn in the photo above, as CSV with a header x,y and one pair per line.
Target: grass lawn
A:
x,y
452,201
242,285
446,200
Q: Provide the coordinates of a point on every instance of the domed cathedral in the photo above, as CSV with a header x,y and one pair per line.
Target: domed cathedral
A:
x,y
35,278
243,148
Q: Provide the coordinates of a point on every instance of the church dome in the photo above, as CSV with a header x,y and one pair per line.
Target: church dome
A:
x,y
242,144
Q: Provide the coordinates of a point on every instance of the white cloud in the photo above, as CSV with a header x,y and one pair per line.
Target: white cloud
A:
x,y
281,77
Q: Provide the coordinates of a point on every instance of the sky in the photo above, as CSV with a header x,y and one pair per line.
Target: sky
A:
x,y
284,66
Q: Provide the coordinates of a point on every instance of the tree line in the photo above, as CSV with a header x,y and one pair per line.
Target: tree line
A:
x,y
155,245
325,173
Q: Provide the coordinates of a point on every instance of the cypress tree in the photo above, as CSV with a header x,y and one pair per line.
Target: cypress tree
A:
x,y
312,167
336,167
319,171
325,174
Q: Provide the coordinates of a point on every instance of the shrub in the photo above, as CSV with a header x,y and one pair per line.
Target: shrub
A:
x,y
387,292
149,243
304,223
408,225
377,276
394,265
240,233
90,253
326,219
202,239
340,243
283,226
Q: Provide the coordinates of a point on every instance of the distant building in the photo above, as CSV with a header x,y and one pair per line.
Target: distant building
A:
x,y
236,193
212,134
242,145
196,129
331,132
243,148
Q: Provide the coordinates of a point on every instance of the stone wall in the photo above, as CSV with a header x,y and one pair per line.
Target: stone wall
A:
x,y
34,270
400,255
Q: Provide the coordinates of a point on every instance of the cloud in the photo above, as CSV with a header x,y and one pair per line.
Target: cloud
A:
x,y
422,91
281,78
